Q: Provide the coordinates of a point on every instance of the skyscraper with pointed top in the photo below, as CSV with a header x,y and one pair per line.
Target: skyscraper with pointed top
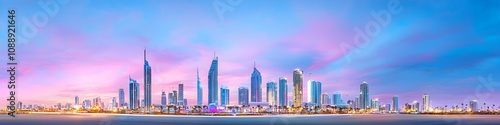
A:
x,y
213,81
256,85
147,83
199,89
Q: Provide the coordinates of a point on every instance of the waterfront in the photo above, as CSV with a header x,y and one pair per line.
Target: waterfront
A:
x,y
127,119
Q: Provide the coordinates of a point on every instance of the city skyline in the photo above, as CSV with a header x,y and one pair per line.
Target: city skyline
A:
x,y
408,58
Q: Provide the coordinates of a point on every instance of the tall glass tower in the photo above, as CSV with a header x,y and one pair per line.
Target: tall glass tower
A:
x,y
395,103
163,99
121,97
213,82
298,81
180,99
255,87
224,96
199,91
337,100
314,92
364,96
243,96
426,102
283,92
272,93
147,83
134,94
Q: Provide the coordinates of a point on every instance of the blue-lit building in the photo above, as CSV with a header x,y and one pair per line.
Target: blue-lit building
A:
x,y
272,93
283,92
224,96
395,103
147,83
364,96
134,94
199,90
256,86
314,92
243,96
337,100
213,82
121,98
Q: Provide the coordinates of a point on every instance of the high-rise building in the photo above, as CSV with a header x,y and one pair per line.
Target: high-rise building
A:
x,y
356,102
256,85
415,106
298,80
243,96
314,92
175,98
364,96
325,99
199,90
426,103
147,83
181,94
121,97
163,98
77,99
113,103
224,96
283,92
19,105
395,103
272,93
337,100
375,105
213,82
170,98
134,98
86,104
473,106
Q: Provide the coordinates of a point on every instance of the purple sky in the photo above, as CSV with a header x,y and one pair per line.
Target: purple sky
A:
x,y
89,48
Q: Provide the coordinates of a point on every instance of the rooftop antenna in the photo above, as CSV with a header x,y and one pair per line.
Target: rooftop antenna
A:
x,y
254,64
144,52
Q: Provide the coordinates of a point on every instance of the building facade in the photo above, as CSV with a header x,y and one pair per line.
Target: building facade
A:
x,y
298,83
272,93
243,96
213,82
283,92
364,96
224,96
256,86
134,98
147,83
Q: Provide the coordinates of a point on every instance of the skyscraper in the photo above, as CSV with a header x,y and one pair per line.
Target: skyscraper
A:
x,y
426,103
243,96
298,80
256,85
213,81
337,100
180,98
134,94
170,98
473,106
272,93
395,103
77,99
325,99
224,96
364,97
163,98
175,98
147,83
356,102
375,105
121,97
314,92
283,92
199,90
113,103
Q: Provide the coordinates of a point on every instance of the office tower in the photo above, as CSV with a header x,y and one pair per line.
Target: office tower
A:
x,y
356,102
163,98
272,93
213,81
256,85
337,98
134,97
86,104
19,105
395,103
314,92
375,105
243,96
426,103
147,83
283,92
224,96
415,106
388,107
473,106
199,90
181,94
175,98
77,99
325,99
170,98
185,102
113,103
121,97
298,80
364,96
